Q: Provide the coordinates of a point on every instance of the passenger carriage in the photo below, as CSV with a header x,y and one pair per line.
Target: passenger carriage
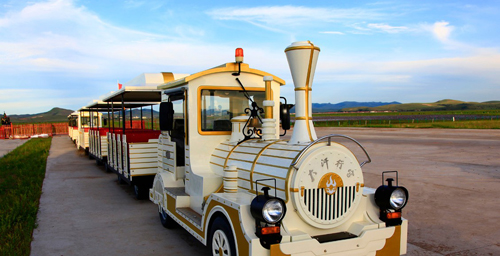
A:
x,y
73,126
84,122
98,143
133,147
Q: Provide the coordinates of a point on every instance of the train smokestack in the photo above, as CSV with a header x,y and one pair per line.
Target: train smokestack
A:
x,y
302,58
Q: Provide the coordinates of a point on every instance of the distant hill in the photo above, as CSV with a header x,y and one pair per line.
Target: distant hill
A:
x,y
53,115
329,107
441,105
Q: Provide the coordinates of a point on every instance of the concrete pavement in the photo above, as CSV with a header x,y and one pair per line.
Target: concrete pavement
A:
x,y
452,177
84,211
8,145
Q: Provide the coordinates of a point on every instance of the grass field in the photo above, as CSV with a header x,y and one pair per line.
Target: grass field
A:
x,y
21,176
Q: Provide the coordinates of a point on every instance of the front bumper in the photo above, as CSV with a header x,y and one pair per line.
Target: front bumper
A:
x,y
381,241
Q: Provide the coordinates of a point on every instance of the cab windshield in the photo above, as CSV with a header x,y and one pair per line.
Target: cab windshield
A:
x,y
219,106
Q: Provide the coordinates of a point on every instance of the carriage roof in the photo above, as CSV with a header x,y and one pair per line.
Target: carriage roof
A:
x,y
228,67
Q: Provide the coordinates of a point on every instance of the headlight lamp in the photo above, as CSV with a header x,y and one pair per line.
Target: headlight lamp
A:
x,y
389,197
273,211
397,199
268,212
268,209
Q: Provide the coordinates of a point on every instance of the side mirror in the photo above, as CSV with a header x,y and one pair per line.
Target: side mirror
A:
x,y
285,115
166,116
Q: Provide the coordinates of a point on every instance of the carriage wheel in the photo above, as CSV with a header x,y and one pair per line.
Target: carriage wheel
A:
x,y
221,240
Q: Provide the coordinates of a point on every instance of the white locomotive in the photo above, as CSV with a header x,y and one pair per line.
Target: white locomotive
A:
x,y
226,177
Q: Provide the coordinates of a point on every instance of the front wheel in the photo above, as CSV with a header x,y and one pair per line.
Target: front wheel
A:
x,y
120,179
221,240
166,220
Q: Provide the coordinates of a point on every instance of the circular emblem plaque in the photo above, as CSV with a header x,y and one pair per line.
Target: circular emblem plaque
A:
x,y
329,187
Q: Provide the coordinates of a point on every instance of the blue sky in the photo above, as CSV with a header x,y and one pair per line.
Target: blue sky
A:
x,y
65,53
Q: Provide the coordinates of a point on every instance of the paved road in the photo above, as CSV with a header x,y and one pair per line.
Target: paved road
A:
x,y
452,176
84,211
8,145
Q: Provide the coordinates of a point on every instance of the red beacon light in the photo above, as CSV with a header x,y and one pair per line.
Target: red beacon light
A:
x,y
238,55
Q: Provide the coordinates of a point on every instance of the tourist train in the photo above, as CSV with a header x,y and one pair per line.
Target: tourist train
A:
x,y
218,168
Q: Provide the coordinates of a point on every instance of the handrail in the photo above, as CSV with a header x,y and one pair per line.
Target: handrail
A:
x,y
329,137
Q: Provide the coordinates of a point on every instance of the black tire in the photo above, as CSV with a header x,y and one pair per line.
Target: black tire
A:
x,y
120,179
166,220
140,192
222,237
106,167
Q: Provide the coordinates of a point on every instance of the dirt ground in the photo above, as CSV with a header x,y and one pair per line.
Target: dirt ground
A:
x,y
453,178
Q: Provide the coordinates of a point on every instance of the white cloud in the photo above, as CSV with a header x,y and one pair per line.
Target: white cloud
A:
x,y
63,46
387,28
442,31
486,65
60,37
332,32
289,16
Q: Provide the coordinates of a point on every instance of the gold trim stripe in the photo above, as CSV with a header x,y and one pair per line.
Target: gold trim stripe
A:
x,y
269,175
230,152
223,150
313,47
240,160
219,156
303,118
217,164
307,91
275,166
303,88
280,157
289,150
244,170
257,158
145,174
246,153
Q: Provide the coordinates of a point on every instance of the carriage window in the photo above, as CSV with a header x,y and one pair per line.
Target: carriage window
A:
x,y
84,121
219,106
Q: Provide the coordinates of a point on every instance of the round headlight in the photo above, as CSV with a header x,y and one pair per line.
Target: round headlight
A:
x,y
397,199
273,211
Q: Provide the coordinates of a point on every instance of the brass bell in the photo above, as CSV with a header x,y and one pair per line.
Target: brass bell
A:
x,y
254,122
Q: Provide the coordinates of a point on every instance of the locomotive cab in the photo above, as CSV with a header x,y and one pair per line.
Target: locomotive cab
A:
x,y
225,175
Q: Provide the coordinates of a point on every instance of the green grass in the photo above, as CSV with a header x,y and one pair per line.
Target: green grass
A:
x,y
21,176
474,124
